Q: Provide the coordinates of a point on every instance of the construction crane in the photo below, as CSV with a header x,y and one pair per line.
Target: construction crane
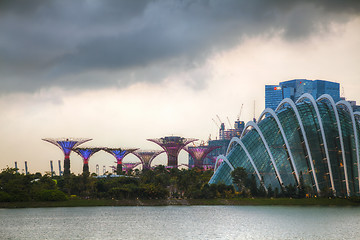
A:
x,y
216,123
229,122
219,119
240,112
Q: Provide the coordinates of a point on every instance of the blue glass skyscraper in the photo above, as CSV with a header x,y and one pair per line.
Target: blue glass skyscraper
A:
x,y
293,89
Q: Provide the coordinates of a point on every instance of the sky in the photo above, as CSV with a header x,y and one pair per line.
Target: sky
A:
x,y
121,72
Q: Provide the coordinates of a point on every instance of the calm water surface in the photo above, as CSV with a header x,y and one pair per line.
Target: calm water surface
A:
x,y
177,222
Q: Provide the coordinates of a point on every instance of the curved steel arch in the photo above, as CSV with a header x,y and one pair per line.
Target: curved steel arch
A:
x,y
313,102
357,114
273,114
333,105
238,140
229,146
256,127
224,158
348,106
293,106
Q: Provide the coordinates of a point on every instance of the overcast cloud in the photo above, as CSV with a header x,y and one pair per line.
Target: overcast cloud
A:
x,y
76,44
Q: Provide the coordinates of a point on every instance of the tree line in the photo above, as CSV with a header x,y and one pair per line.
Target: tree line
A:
x,y
157,183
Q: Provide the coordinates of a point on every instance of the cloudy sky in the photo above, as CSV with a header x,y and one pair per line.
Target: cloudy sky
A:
x,y
124,71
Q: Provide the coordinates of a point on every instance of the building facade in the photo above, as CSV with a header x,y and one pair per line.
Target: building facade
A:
x,y
311,144
293,89
225,135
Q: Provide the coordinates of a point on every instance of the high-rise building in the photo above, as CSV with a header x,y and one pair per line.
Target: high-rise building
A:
x,y
293,89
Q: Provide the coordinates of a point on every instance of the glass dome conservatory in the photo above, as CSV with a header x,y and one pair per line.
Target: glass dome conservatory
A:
x,y
311,143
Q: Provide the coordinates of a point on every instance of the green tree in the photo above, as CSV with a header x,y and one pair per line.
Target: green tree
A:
x,y
239,177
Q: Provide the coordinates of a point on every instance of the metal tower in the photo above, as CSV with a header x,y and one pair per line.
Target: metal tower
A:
x,y
172,146
26,168
146,157
60,172
51,168
66,145
199,154
86,153
119,154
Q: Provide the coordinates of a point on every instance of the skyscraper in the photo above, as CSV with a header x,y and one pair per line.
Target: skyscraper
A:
x,y
293,89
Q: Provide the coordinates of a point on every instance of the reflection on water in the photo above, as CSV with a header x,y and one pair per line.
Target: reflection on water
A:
x,y
181,222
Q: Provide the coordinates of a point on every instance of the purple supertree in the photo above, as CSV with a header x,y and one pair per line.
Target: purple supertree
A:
x,y
86,153
119,154
146,157
199,154
129,166
172,146
66,145
210,163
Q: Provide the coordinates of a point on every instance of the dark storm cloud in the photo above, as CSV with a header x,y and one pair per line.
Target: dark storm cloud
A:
x,y
63,43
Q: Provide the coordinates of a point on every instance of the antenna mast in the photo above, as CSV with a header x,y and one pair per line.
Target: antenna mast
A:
x,y
254,119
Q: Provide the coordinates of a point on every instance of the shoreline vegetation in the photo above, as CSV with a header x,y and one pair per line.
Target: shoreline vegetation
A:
x,y
185,202
157,187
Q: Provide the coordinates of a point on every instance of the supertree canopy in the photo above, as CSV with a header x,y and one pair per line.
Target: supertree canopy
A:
x,y
146,157
86,153
119,154
66,145
130,166
172,146
199,154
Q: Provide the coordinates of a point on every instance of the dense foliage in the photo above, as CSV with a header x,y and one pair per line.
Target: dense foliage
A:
x,y
159,183
15,187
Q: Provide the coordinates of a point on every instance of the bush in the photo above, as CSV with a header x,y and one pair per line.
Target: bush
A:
x,y
5,197
52,195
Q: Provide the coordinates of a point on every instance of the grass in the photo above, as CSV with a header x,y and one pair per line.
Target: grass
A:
x,y
163,202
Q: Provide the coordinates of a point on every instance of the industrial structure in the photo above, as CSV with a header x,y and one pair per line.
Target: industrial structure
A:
x,y
66,145
225,135
172,145
86,153
119,154
311,144
146,157
51,168
199,153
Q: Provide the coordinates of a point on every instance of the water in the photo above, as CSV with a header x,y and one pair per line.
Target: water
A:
x,y
181,222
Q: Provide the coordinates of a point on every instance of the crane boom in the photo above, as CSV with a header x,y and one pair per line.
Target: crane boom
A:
x,y
219,118
240,111
229,122
216,123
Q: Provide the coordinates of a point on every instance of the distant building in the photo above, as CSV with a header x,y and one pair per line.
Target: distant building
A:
x,y
293,89
225,135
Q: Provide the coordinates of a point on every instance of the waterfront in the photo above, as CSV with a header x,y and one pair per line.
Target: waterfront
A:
x,y
181,222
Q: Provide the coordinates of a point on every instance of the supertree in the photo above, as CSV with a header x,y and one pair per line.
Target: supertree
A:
x,y
86,153
146,157
66,145
210,164
129,166
199,154
172,146
119,154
